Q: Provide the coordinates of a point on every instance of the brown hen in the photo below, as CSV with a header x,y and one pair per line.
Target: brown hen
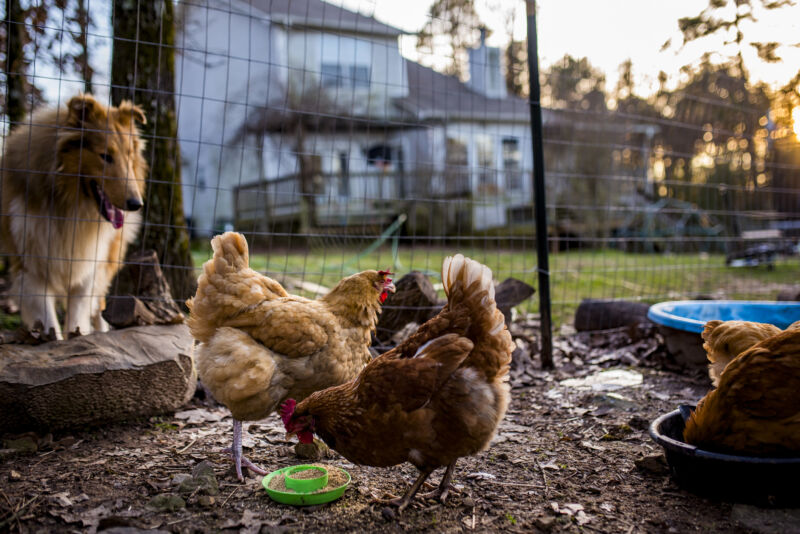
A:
x,y
260,345
724,341
755,409
431,400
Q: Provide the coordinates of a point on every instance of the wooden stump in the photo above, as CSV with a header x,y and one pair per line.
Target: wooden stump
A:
x,y
96,379
509,293
414,301
144,296
596,314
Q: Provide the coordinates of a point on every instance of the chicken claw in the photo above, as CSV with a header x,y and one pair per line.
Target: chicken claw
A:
x,y
402,502
236,453
440,493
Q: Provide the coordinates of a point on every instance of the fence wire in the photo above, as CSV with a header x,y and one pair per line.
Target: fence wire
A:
x,y
338,140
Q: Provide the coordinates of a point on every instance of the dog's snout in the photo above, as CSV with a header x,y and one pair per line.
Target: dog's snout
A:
x,y
133,204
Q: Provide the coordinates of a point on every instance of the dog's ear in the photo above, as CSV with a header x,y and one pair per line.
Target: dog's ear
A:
x,y
82,109
127,110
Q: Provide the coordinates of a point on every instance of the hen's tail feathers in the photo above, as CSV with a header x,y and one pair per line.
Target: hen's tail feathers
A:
x,y
227,286
469,283
230,252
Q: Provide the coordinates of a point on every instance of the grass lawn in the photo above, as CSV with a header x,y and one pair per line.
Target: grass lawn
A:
x,y
574,275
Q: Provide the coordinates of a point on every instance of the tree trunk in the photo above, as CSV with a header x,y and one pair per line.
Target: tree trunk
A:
x,y
143,70
84,18
15,64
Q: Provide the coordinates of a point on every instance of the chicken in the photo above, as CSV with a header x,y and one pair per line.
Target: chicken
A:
x,y
259,345
724,341
755,409
434,398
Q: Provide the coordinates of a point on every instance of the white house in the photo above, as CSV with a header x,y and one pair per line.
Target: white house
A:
x,y
268,90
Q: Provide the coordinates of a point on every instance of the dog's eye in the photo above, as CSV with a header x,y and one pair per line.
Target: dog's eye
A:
x,y
107,158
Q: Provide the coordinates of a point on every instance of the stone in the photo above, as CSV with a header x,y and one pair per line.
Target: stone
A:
x,y
166,502
96,379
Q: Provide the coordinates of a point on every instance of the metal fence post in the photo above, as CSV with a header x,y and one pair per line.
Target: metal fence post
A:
x,y
540,207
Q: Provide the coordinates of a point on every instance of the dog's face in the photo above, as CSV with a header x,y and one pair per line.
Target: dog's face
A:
x,y
102,147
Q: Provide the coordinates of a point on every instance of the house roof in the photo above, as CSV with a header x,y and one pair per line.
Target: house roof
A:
x,y
432,95
322,15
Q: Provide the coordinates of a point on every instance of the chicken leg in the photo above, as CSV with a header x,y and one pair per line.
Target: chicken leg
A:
x,y
443,490
402,502
236,453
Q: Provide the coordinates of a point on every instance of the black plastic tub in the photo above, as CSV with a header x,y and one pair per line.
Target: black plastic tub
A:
x,y
746,479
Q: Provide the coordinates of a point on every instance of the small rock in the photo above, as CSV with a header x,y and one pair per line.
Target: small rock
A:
x,y
180,478
166,502
311,451
638,422
545,524
22,445
14,476
468,502
202,481
653,463
389,514
206,500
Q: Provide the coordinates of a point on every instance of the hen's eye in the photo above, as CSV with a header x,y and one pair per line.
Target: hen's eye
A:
x,y
107,158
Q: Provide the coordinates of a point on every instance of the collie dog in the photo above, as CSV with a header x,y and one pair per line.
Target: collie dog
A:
x,y
73,181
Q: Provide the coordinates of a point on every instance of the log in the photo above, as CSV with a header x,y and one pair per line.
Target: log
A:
x,y
789,294
143,294
509,293
415,301
95,379
597,314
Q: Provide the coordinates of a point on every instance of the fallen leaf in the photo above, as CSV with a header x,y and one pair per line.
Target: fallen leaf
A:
x,y
198,416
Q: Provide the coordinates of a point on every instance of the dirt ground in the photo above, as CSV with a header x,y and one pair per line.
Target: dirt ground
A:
x,y
564,460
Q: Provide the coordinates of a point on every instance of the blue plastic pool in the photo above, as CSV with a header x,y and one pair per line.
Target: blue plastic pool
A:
x,y
692,315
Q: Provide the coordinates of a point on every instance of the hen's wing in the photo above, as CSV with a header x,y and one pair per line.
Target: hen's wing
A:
x,y
291,326
755,409
724,341
765,380
409,383
227,286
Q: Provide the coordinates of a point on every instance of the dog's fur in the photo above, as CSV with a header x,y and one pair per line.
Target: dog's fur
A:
x,y
67,176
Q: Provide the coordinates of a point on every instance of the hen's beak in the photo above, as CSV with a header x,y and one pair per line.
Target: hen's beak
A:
x,y
390,287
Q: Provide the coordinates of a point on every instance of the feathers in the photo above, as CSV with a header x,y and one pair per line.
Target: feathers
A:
x,y
260,345
437,396
755,408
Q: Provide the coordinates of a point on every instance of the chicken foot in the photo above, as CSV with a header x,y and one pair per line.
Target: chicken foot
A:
x,y
444,488
402,502
236,453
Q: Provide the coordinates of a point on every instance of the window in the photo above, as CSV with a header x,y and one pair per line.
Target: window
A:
x,y
512,164
345,62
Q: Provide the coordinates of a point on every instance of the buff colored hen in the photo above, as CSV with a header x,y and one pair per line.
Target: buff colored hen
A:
x,y
260,345
755,409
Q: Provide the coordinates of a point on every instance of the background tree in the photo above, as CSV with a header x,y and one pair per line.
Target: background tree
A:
x,y
457,23
143,70
21,39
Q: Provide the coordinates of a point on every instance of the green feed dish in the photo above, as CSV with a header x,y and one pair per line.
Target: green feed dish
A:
x,y
291,485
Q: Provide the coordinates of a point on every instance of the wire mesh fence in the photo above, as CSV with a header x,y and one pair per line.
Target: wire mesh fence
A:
x,y
337,140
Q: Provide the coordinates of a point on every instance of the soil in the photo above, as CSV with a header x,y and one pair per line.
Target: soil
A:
x,y
564,460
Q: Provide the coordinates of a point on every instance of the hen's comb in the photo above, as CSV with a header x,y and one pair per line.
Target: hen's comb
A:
x,y
287,409
385,273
